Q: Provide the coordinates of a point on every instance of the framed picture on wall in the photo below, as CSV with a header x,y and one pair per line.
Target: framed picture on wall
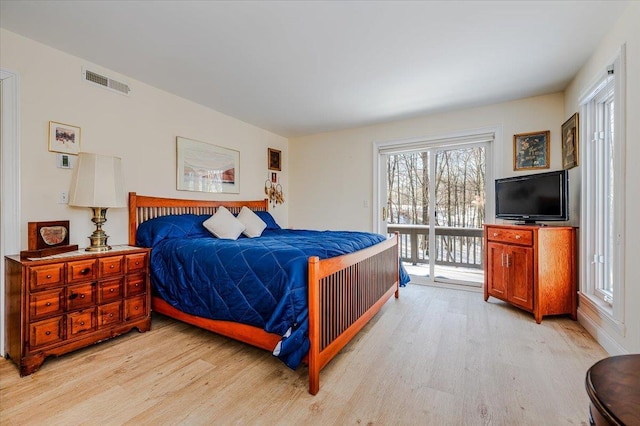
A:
x,y
64,138
274,158
207,168
570,142
531,150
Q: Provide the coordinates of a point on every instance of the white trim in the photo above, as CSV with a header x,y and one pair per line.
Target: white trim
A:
x,y
593,322
9,181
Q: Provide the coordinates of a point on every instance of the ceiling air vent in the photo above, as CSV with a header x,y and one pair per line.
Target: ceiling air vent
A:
x,y
106,82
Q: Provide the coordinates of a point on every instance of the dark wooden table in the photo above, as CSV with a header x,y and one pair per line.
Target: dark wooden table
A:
x,y
613,385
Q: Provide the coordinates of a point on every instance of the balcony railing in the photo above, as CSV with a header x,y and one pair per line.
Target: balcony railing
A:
x,y
460,247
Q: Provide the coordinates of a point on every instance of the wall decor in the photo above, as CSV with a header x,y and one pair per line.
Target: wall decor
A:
x,y
570,142
47,238
64,138
205,167
274,158
273,192
531,150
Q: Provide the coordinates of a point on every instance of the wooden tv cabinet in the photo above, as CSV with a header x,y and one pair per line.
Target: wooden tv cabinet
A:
x,y
532,267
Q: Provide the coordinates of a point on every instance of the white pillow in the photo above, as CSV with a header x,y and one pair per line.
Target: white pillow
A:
x,y
223,224
252,222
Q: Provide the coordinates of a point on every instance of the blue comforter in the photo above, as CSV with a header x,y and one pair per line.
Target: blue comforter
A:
x,y
257,281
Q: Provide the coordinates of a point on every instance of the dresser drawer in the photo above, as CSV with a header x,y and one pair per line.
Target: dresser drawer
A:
x,y
110,266
46,276
109,314
136,262
81,322
135,308
513,236
45,332
81,270
80,296
46,303
110,290
136,284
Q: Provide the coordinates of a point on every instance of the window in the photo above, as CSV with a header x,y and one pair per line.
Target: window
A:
x,y
602,226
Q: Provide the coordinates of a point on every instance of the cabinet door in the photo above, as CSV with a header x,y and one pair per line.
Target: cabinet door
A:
x,y
520,267
496,271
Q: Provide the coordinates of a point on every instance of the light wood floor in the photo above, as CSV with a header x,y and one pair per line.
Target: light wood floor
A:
x,y
434,357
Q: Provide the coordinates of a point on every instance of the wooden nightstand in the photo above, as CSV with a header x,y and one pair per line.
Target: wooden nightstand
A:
x,y
68,301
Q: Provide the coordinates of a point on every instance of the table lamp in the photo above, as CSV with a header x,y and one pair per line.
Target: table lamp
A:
x,y
98,184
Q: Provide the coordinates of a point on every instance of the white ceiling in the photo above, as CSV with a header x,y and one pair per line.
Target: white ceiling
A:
x,y
302,67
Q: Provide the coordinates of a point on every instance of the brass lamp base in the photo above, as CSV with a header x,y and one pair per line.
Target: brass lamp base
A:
x,y
98,238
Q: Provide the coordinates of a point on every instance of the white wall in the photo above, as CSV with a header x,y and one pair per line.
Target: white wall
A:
x,y
626,31
140,128
334,171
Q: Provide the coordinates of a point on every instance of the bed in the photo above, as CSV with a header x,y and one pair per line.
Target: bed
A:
x,y
341,293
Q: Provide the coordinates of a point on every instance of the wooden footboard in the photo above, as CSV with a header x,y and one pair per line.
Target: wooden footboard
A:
x,y
345,292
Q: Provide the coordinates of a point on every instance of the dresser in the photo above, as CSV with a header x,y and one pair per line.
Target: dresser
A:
x,y
65,302
532,267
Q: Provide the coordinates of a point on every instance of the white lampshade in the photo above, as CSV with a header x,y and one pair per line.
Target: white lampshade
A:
x,y
97,182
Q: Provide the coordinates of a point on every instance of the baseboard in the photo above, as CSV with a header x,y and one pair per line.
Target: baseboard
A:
x,y
599,334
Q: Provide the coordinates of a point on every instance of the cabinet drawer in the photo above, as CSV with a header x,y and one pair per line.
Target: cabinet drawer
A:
x,y
46,303
136,284
80,296
514,236
46,276
81,322
109,314
110,290
81,270
136,262
45,332
135,307
110,266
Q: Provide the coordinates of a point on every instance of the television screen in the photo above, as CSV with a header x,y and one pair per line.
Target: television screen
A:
x,y
530,198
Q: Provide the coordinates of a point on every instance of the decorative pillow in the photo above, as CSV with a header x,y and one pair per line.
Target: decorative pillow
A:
x,y
223,224
268,219
252,223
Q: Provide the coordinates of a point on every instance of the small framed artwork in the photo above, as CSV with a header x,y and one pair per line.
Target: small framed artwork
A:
x,y
531,150
48,238
207,168
64,138
274,177
274,158
570,142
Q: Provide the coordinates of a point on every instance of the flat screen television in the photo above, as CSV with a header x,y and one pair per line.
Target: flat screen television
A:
x,y
532,198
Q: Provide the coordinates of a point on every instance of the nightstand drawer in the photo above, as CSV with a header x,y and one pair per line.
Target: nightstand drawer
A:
x,y
46,276
110,266
136,262
135,308
81,322
136,284
46,303
81,270
80,296
109,314
45,332
515,236
110,290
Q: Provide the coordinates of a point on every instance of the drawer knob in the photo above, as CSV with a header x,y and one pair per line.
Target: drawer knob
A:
x,y
495,234
48,303
111,290
137,285
81,322
48,275
112,266
48,333
136,308
137,262
85,271
111,315
82,296
517,237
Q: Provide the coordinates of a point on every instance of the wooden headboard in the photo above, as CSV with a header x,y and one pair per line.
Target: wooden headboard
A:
x,y
142,208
